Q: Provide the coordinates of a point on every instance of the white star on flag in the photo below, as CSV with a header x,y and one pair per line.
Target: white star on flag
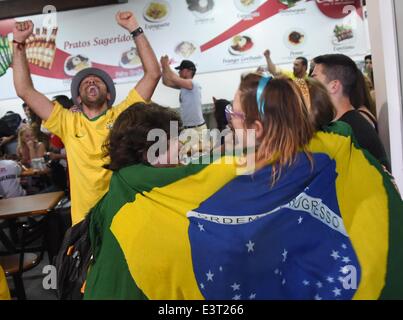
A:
x,y
344,246
330,279
209,276
300,220
341,279
284,254
283,282
276,271
252,296
337,292
235,286
317,297
250,246
344,270
319,284
306,282
335,255
346,259
220,268
201,227
237,297
202,285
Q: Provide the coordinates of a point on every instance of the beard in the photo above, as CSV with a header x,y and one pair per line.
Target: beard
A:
x,y
94,103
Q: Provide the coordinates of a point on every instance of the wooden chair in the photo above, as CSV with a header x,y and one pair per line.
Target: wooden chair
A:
x,y
24,256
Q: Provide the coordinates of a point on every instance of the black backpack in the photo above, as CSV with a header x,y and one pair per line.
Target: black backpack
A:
x,y
73,260
9,124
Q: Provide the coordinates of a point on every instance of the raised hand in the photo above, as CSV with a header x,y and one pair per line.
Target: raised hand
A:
x,y
267,53
164,61
127,20
22,30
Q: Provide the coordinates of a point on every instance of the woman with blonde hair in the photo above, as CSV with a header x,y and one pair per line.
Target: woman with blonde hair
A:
x,y
28,146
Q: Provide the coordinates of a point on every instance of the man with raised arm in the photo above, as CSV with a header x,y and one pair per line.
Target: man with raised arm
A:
x,y
84,133
299,70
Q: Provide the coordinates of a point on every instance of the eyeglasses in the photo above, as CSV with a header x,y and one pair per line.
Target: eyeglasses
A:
x,y
230,113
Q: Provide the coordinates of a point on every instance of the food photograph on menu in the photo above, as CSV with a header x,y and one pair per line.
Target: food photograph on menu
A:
x,y
75,64
240,44
200,6
156,11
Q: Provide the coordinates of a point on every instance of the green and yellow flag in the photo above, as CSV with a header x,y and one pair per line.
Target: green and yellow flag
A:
x,y
328,229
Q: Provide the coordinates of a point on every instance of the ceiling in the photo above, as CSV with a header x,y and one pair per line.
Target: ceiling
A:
x,y
21,8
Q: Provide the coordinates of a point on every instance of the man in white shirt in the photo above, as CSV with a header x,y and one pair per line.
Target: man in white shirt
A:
x,y
10,186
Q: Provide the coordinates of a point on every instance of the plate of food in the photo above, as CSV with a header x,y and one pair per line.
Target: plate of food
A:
x,y
240,44
75,64
295,39
247,5
200,8
185,49
156,11
342,34
290,3
130,59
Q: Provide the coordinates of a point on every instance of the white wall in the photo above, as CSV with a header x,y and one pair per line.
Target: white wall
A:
x,y
388,72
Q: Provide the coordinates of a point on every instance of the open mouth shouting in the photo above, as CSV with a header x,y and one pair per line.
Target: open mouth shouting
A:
x,y
92,91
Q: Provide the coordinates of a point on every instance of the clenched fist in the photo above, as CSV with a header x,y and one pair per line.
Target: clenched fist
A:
x,y
22,30
127,20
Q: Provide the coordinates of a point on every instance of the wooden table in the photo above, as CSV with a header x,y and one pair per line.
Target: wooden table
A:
x,y
29,205
33,172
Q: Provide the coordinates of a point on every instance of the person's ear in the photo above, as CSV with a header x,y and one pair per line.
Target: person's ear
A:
x,y
334,86
108,96
258,126
79,100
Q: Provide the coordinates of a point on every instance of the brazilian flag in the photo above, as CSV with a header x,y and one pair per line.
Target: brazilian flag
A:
x,y
330,228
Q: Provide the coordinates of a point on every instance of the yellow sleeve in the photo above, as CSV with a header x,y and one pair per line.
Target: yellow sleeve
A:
x,y
4,292
287,73
58,120
132,98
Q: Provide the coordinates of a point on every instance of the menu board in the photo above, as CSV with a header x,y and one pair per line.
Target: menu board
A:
x,y
215,35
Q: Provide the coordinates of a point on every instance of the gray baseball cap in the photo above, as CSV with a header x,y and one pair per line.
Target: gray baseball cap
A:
x,y
76,81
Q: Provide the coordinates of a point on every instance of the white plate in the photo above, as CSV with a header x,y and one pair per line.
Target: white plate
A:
x,y
156,2
292,45
132,55
79,65
189,49
203,14
247,8
239,53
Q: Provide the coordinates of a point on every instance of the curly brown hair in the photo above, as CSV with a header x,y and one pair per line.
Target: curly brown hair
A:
x,y
127,142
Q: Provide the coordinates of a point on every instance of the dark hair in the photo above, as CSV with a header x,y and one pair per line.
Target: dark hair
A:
x,y
127,142
304,61
219,113
322,110
339,67
361,95
65,101
368,57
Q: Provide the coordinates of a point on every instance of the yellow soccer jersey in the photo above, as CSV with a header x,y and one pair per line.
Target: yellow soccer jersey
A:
x,y
83,139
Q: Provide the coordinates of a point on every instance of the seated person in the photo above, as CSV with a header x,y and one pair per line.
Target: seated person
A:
x,y
28,146
10,186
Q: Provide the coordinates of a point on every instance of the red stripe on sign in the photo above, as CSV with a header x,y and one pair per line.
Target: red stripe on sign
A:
x,y
266,10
